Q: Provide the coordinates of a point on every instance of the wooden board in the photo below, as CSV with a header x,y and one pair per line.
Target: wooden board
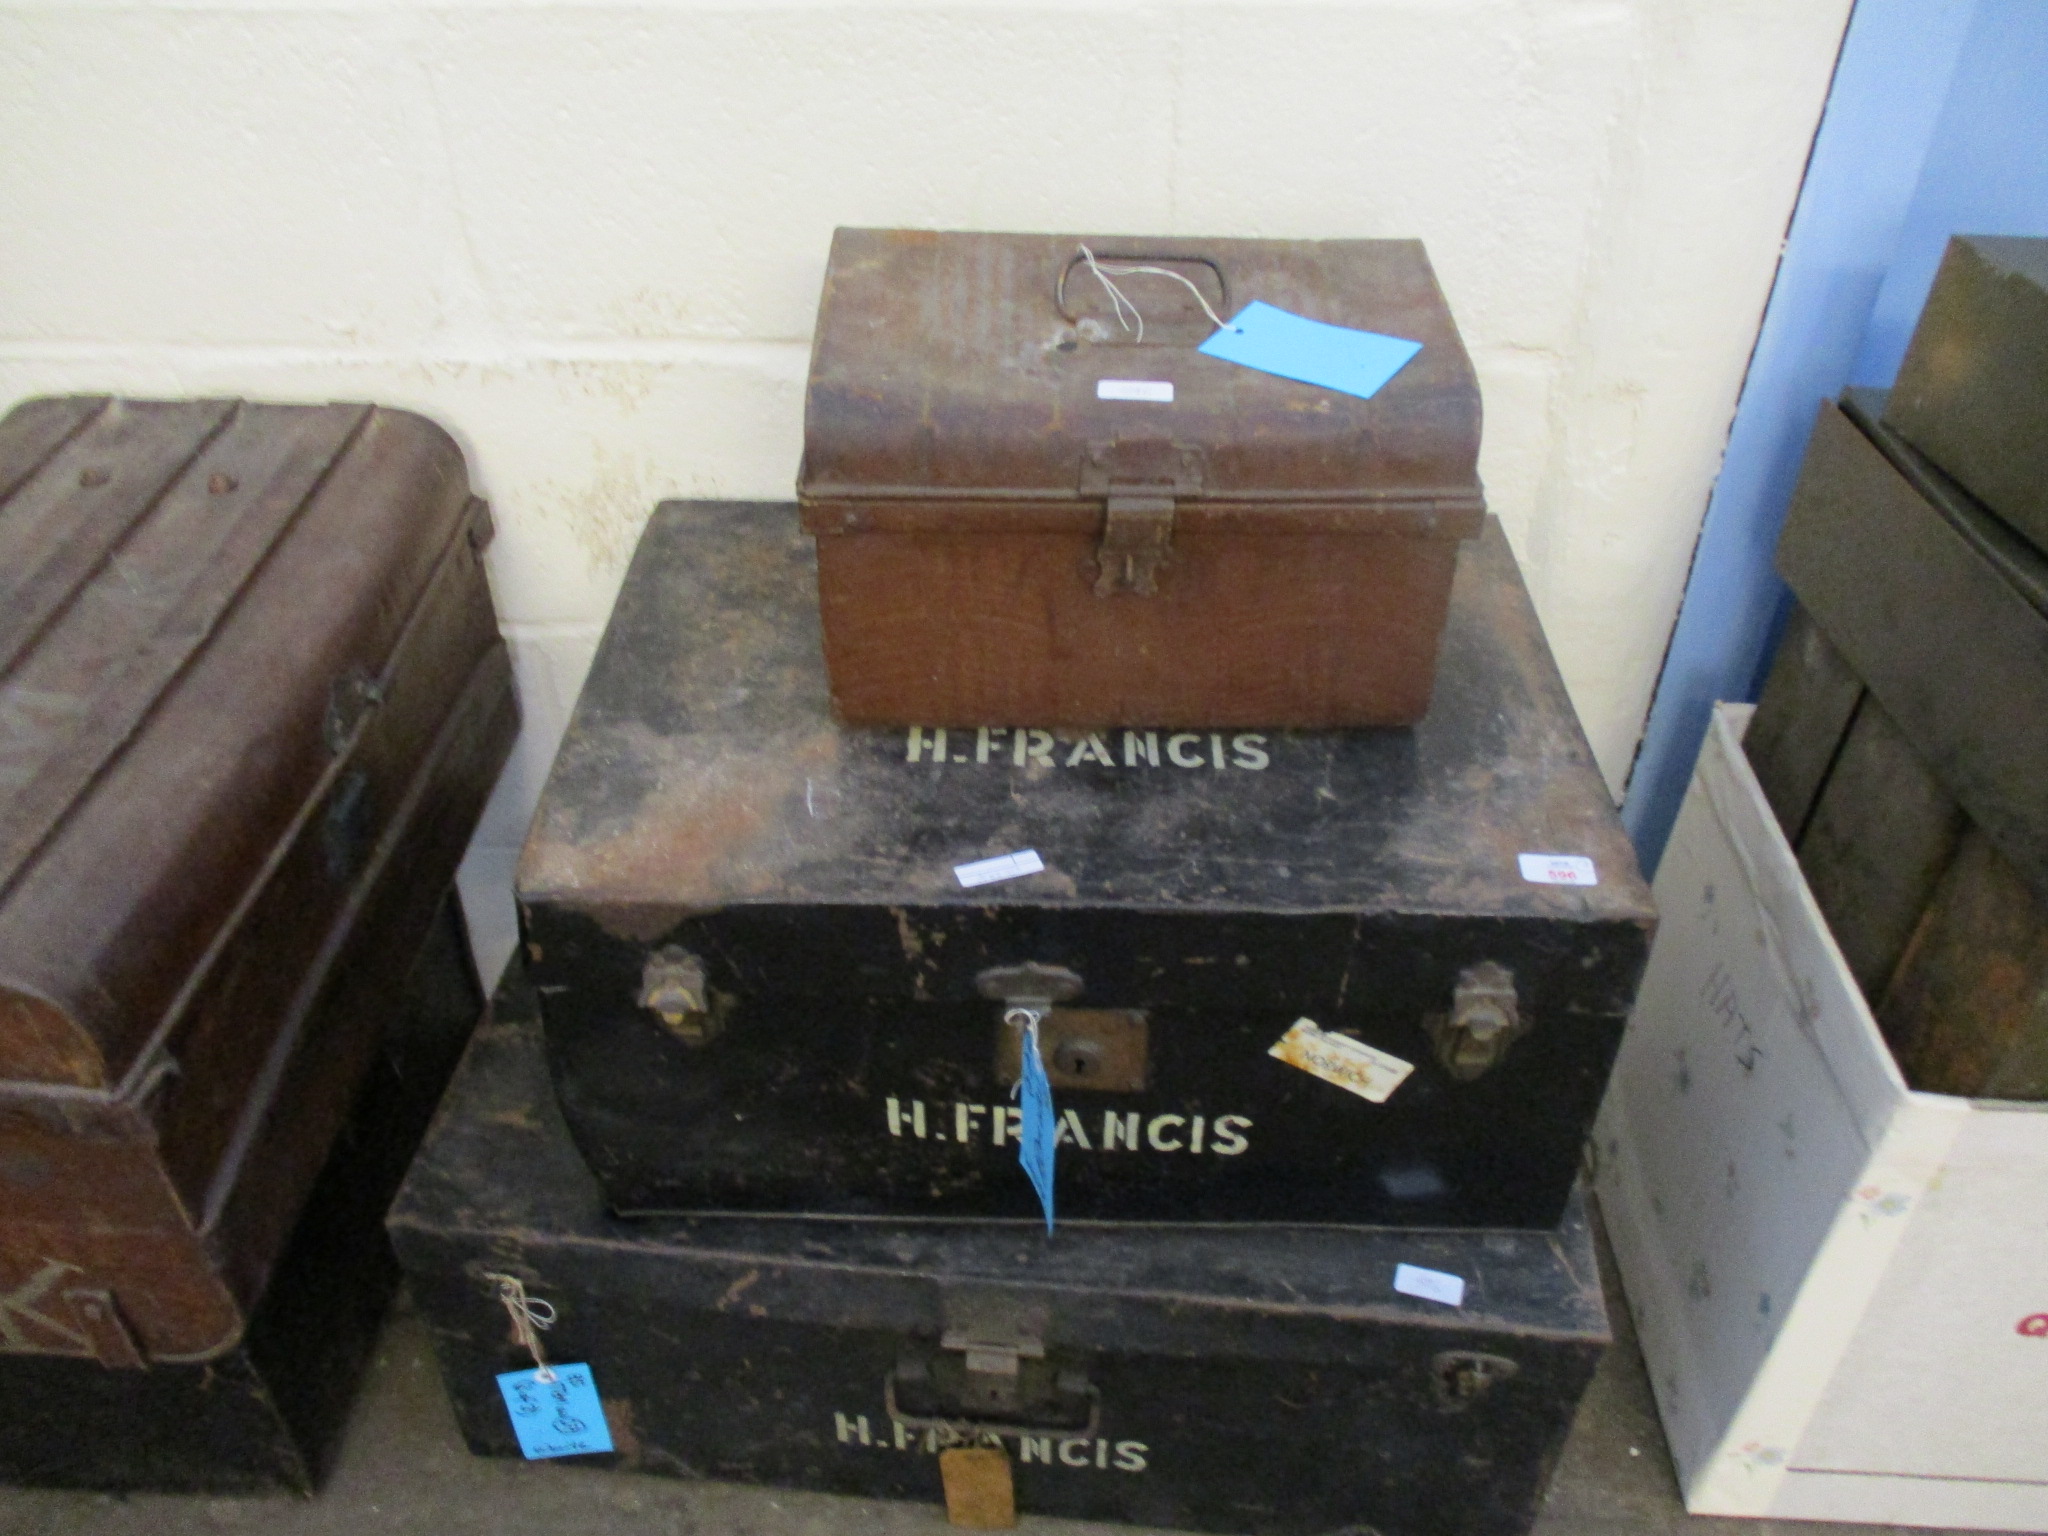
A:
x,y
1882,831
1804,712
1968,1010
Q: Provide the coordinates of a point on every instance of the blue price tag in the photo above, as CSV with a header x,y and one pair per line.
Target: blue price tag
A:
x,y
562,1417
1274,340
1041,1132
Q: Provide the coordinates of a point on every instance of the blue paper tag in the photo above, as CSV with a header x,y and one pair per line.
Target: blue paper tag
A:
x,y
562,1417
1041,1132
1295,347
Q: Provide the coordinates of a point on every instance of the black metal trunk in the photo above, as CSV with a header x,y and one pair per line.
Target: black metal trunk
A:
x,y
1233,1379
266,1413
766,989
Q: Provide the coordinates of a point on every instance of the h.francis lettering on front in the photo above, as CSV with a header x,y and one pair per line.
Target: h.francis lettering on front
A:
x,y
767,987
1192,1377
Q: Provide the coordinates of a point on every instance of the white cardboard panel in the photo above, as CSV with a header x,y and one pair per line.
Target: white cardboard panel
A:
x,y
1726,1140
1830,1271
1947,1503
1964,1389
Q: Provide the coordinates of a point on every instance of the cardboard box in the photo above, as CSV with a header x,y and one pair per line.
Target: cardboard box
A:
x,y
1841,1284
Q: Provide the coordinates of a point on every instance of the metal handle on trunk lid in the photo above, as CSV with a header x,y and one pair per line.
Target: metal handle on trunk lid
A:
x,y
1106,258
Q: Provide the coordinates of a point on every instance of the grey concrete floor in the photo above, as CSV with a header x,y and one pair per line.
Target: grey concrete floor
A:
x,y
404,1472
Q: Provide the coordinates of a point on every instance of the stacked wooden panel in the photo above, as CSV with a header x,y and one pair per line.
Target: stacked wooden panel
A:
x,y
1904,729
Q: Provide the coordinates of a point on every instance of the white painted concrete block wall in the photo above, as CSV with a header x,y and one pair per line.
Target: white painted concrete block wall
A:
x,y
588,237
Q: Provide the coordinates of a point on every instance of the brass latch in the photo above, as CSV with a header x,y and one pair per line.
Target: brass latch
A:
x,y
107,1333
991,1373
1137,539
1140,481
1461,1377
672,987
1485,1018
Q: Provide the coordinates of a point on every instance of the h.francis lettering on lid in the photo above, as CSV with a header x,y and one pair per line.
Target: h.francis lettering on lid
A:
x,y
1034,747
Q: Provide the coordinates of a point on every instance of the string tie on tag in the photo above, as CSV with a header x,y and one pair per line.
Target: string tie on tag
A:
x,y
531,1316
1025,1020
1120,302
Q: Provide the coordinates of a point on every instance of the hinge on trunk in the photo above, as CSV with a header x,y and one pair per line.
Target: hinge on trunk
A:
x,y
1137,539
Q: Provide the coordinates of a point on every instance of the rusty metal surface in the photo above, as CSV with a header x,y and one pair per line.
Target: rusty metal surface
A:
x,y
703,768
256,724
1304,630
997,542
166,729
945,371
266,1414
109,1190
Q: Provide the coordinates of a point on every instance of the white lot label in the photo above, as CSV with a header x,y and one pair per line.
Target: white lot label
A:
x,y
1350,1064
1429,1284
1558,869
1004,866
1158,391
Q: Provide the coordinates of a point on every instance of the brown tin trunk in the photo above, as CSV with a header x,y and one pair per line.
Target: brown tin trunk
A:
x,y
998,541
253,696
267,1414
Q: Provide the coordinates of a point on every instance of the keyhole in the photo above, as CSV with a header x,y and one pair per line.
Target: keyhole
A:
x,y
1077,1058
